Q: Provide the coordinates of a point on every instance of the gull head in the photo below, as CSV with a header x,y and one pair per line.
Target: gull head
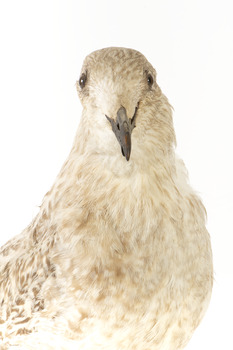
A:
x,y
121,101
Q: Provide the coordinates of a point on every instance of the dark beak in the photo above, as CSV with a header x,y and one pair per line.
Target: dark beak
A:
x,y
122,128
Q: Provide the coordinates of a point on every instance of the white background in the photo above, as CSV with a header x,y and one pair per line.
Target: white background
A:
x,y
190,43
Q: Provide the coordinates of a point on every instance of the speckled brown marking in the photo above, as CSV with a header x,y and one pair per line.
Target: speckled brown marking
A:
x,y
119,249
19,301
23,321
21,331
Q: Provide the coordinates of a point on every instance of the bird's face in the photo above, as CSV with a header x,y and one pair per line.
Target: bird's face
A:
x,y
115,87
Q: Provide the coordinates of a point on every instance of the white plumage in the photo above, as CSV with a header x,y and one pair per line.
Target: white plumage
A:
x,y
118,257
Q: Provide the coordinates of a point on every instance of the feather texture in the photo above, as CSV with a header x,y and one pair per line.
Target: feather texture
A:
x,y
118,256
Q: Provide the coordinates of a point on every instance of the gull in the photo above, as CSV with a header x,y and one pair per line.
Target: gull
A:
x,y
118,256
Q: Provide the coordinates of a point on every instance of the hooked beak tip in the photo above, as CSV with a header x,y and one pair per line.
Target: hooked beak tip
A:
x,y
127,145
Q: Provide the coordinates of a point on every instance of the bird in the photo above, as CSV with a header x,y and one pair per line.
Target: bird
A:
x,y
118,256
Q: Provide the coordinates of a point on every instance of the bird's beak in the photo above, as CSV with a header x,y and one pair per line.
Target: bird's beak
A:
x,y
122,128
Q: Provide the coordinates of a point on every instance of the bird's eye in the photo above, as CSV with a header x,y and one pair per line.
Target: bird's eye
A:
x,y
82,80
150,80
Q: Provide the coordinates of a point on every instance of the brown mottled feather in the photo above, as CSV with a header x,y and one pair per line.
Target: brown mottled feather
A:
x,y
118,256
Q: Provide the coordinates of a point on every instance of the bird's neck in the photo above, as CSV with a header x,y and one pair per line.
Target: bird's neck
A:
x,y
87,188
89,179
